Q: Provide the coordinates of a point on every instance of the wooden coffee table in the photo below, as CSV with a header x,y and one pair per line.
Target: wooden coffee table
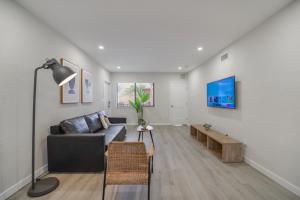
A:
x,y
141,131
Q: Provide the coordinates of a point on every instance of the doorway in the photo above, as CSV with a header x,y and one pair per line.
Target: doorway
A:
x,y
178,103
107,97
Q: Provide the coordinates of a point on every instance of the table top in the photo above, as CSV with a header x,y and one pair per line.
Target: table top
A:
x,y
148,128
224,139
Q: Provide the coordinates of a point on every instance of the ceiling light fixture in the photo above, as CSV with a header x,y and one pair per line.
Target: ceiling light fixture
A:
x,y
118,67
101,47
179,68
199,48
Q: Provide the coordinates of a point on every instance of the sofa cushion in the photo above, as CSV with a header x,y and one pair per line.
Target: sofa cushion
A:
x,y
114,133
93,122
75,125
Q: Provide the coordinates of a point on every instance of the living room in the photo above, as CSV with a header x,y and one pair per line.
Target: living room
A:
x,y
84,84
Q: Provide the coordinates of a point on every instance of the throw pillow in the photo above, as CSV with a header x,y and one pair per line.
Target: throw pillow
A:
x,y
107,120
102,118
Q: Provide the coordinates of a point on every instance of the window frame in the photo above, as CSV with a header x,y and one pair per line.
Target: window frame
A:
x,y
135,91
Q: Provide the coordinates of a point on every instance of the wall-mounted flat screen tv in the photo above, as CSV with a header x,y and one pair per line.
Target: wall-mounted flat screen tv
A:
x,y
221,93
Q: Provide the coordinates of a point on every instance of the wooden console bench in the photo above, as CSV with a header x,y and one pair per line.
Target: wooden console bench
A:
x,y
224,147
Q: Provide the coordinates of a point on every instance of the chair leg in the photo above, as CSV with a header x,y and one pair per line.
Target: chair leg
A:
x,y
103,192
152,163
149,181
104,180
149,191
152,139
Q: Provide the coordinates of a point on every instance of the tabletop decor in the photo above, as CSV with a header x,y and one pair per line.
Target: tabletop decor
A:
x,y
207,126
138,105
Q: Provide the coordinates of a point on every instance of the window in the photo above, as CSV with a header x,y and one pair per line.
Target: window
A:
x,y
148,88
128,91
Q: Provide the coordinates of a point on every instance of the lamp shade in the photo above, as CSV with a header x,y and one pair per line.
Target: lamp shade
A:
x,y
61,74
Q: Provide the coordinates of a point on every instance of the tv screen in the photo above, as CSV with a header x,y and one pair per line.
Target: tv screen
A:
x,y
221,93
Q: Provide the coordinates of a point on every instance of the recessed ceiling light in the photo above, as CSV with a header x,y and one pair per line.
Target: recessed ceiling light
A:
x,y
101,47
179,68
199,48
118,67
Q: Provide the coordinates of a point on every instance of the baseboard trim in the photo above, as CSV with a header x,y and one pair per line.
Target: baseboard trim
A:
x,y
161,124
154,124
20,184
278,179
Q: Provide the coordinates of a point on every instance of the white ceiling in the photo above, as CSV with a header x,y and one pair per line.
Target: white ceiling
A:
x,y
153,35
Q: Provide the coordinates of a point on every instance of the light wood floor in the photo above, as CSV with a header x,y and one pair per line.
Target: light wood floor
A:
x,y
183,170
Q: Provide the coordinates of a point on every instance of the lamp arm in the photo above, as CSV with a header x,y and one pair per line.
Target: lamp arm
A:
x,y
51,64
33,125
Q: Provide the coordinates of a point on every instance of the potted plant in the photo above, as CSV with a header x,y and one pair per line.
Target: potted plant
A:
x,y
138,104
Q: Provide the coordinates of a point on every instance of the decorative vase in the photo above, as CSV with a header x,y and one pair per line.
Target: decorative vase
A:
x,y
140,118
144,124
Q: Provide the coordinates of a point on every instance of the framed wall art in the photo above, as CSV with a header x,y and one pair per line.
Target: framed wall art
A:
x,y
86,87
70,92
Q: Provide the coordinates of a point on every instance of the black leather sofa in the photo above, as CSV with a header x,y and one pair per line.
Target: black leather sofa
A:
x,y
78,144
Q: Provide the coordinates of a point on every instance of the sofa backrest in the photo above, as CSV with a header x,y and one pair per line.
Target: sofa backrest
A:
x,y
83,124
93,122
75,125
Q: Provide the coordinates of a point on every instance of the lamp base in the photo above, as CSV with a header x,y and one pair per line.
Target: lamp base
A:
x,y
43,186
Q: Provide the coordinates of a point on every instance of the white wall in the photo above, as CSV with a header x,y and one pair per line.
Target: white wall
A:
x,y
25,42
155,115
266,63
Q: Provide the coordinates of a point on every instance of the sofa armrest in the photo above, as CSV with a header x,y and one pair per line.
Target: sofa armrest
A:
x,y
117,120
76,152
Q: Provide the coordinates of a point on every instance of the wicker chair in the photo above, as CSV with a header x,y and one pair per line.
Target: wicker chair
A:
x,y
127,163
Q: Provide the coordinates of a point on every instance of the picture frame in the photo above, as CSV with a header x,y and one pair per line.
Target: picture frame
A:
x,y
86,87
70,92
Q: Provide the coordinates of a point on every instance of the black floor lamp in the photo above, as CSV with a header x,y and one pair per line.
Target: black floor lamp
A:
x,y
61,75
